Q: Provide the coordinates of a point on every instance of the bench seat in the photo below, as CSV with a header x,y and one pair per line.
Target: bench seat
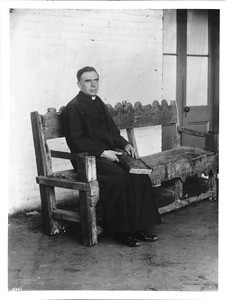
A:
x,y
181,162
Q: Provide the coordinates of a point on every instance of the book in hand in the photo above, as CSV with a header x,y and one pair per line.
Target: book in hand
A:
x,y
133,165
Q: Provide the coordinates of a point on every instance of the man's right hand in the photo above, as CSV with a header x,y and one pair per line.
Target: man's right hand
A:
x,y
111,155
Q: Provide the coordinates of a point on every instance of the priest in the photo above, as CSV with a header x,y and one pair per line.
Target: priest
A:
x,y
129,207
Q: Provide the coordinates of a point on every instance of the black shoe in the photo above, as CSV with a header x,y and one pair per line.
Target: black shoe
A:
x,y
143,236
130,241
127,239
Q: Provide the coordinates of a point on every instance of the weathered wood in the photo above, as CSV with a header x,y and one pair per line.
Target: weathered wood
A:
x,y
178,189
42,152
212,142
213,185
181,203
191,131
126,116
155,114
164,192
61,183
175,136
122,114
86,167
178,163
44,167
52,124
48,204
64,215
181,162
65,174
92,189
132,138
88,220
63,155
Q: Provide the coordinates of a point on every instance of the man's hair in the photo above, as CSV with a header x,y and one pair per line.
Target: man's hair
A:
x,y
83,70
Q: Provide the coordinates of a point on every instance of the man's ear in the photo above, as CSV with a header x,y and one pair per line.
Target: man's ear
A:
x,y
78,84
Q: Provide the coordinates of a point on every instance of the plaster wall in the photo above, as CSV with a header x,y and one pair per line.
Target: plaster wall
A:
x,y
47,47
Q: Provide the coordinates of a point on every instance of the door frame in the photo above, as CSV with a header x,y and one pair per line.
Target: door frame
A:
x,y
213,64
213,79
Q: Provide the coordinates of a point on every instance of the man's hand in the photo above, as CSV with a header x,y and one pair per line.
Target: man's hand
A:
x,y
131,151
111,155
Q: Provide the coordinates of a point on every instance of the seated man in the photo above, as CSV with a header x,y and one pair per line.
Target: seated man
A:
x,y
128,203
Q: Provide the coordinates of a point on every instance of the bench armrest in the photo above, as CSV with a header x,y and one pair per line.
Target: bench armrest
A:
x,y
86,164
211,138
191,131
63,154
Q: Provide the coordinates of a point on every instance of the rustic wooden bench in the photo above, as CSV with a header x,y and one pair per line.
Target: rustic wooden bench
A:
x,y
175,165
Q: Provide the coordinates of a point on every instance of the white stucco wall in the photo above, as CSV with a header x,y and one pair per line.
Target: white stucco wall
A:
x,y
47,47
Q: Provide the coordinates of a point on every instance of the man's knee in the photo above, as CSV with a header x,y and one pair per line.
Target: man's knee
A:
x,y
107,167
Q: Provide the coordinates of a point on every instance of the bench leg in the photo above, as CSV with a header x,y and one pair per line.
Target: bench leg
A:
x,y
48,204
213,185
88,220
178,189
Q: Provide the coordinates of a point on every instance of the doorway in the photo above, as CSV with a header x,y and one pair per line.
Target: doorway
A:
x,y
197,83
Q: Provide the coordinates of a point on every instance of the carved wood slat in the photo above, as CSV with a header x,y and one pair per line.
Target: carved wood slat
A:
x,y
52,123
122,114
126,116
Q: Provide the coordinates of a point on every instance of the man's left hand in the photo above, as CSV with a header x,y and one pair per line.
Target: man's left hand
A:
x,y
131,151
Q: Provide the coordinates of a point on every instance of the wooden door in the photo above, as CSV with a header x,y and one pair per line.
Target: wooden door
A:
x,y
196,73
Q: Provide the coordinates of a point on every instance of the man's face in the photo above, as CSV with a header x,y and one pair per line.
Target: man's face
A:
x,y
89,83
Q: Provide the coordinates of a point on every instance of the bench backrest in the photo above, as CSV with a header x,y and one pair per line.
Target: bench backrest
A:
x,y
125,115
44,128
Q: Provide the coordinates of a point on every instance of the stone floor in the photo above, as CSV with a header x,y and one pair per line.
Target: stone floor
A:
x,y
185,258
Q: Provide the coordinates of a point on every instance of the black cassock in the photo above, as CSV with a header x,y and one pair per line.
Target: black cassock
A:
x,y
127,199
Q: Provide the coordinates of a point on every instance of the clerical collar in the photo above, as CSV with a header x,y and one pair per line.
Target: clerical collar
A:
x,y
85,97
